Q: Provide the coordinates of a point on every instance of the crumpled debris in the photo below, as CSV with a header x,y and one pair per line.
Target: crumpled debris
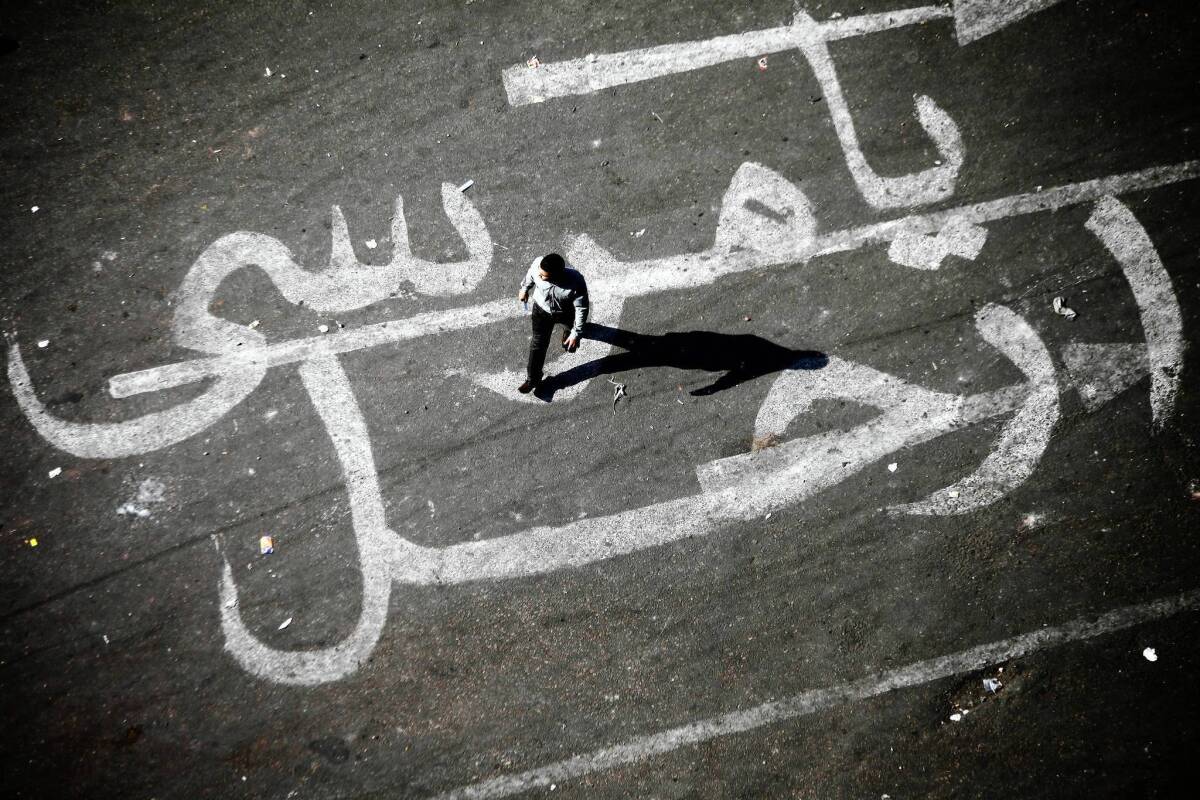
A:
x,y
533,63
618,392
266,545
54,473
1062,310
284,624
1149,654
762,64
323,328
991,685
892,467
371,244
43,343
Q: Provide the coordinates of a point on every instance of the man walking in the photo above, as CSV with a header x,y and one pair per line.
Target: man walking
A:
x,y
560,296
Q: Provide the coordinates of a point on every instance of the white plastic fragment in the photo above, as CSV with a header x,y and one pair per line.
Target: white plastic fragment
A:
x,y
955,717
1062,310
639,234
371,244
466,185
284,624
1149,654
44,343
323,328
267,72
33,209
254,324
54,473
991,685
893,466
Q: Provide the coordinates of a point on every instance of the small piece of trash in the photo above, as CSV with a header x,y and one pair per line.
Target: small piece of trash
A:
x,y
892,467
33,541
1149,654
54,473
44,343
104,636
33,209
747,318
618,393
991,685
657,117
533,63
266,545
371,244
254,324
639,234
1062,310
267,72
762,64
466,185
953,492
323,328
955,717
284,624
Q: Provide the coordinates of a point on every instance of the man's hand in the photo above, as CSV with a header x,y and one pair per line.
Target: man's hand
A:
x,y
571,343
522,296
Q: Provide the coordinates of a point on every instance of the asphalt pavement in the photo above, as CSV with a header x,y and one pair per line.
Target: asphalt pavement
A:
x,y
958,553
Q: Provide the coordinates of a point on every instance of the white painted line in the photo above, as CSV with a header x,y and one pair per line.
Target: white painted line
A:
x,y
596,72
690,269
1162,323
919,673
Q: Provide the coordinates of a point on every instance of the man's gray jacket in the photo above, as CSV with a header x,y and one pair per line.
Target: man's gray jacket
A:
x,y
568,291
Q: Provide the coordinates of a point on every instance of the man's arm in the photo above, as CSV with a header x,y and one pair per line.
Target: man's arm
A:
x,y
582,308
527,283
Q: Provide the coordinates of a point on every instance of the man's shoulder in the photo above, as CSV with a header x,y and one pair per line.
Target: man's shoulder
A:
x,y
575,277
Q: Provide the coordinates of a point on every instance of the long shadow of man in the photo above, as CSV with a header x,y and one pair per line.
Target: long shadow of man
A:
x,y
738,357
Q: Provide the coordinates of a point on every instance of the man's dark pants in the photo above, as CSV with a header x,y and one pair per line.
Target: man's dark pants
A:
x,y
543,327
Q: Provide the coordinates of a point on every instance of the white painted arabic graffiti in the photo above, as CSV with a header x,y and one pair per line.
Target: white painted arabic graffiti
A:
x,y
234,358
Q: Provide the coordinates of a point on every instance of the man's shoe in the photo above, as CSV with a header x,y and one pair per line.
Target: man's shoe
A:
x,y
528,386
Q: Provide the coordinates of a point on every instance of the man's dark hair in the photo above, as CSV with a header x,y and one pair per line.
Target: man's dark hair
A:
x,y
553,263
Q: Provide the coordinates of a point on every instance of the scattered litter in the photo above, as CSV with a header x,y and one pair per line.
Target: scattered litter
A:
x,y
955,717
677,400
466,185
768,516
54,473
533,63
284,624
33,541
323,328
104,636
618,392
267,72
371,244
747,318
1149,654
953,492
1062,310
892,467
44,343
657,117
254,324
33,209
639,234
762,64
266,545
991,685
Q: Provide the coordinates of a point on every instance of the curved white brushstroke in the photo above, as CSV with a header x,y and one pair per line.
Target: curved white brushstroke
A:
x,y
335,403
1016,454
141,435
929,185
1116,226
